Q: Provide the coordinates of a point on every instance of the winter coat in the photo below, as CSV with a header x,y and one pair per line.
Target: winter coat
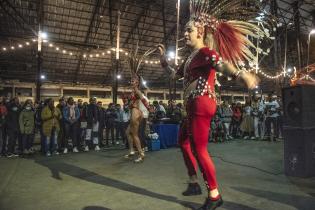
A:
x,y
66,114
101,114
110,116
12,120
50,119
3,114
92,114
27,121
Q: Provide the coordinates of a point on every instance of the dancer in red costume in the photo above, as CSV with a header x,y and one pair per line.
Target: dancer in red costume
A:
x,y
207,37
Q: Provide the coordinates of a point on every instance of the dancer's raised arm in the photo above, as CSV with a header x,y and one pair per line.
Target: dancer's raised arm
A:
x,y
169,69
248,78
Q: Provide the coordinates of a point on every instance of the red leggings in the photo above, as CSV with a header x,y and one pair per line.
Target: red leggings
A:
x,y
193,138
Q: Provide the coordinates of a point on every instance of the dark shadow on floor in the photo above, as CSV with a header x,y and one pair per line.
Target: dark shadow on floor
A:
x,y
95,208
297,201
306,185
56,167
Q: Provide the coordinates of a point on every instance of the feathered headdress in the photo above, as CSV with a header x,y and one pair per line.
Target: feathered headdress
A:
x,y
227,28
134,60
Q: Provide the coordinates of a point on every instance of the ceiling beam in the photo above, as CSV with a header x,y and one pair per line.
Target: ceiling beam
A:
x,y
87,37
135,26
16,15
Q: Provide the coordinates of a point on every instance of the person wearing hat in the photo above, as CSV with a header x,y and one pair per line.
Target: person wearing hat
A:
x,y
272,113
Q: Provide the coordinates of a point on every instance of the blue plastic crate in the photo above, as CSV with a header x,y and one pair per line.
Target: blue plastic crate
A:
x,y
155,145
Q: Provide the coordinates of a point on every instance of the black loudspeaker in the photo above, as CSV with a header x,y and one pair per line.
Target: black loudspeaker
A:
x,y
299,106
299,151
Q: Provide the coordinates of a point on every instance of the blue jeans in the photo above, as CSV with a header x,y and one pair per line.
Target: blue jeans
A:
x,y
51,142
27,141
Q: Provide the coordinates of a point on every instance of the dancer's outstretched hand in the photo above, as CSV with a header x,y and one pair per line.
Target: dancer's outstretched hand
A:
x,y
250,79
161,48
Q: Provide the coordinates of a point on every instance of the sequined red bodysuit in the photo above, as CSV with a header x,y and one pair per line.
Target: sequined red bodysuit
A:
x,y
200,107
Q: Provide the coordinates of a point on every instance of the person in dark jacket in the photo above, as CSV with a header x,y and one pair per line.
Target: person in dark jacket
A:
x,y
82,123
12,124
119,124
38,107
71,115
3,114
62,133
110,116
101,112
92,117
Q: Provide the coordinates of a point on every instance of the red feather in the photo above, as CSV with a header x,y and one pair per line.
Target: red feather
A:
x,y
228,42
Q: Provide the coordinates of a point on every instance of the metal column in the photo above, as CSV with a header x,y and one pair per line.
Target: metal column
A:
x,y
297,32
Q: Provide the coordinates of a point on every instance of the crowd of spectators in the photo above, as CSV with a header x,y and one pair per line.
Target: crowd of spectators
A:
x,y
72,126
258,119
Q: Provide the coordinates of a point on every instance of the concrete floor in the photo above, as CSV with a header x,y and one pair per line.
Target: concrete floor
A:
x,y
250,175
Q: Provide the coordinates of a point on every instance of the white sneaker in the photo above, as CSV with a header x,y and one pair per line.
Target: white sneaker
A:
x,y
48,154
117,142
86,148
253,138
65,151
246,137
97,148
75,150
146,149
131,154
138,160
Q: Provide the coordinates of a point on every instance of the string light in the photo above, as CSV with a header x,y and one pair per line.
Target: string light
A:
x,y
269,76
146,61
64,51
